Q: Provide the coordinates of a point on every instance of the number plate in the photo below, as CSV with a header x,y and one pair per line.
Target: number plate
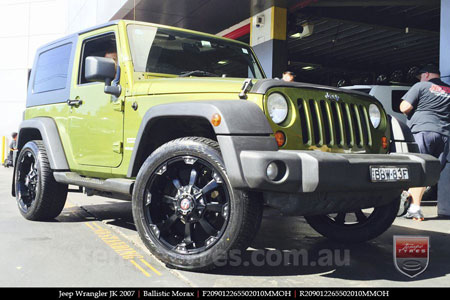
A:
x,y
389,174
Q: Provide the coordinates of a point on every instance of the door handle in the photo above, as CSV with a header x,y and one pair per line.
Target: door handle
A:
x,y
76,102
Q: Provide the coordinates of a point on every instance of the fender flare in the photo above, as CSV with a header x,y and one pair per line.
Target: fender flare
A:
x,y
50,137
243,127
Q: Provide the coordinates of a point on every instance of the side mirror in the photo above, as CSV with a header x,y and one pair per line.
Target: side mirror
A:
x,y
99,69
102,69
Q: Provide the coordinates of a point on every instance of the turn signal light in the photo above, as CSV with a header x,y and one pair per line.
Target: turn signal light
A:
x,y
216,119
280,138
384,142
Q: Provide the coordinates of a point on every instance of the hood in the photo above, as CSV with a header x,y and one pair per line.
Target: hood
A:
x,y
188,85
263,85
177,85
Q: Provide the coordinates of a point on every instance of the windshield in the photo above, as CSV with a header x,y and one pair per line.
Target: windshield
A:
x,y
159,50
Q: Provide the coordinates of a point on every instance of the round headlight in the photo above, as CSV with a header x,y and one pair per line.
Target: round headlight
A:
x,y
278,107
375,115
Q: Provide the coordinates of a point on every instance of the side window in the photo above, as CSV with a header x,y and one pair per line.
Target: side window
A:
x,y
397,99
51,69
103,46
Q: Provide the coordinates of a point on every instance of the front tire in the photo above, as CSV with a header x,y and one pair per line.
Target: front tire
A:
x,y
185,209
357,226
39,197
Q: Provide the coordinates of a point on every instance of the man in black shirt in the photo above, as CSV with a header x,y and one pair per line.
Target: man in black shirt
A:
x,y
427,106
12,147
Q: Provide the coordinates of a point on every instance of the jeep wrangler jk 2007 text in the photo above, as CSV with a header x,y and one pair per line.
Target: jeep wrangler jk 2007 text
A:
x,y
186,126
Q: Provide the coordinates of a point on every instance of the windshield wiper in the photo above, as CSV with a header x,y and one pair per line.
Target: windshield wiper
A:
x,y
198,73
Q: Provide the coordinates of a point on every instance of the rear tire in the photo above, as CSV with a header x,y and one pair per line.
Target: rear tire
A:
x,y
362,227
185,209
39,197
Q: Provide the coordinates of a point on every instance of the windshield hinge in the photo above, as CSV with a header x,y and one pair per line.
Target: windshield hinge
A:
x,y
118,104
246,87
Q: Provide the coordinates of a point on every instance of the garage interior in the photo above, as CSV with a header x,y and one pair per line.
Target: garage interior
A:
x,y
364,42
344,42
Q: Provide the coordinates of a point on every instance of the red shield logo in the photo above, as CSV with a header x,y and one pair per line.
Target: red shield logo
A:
x,y
185,204
411,254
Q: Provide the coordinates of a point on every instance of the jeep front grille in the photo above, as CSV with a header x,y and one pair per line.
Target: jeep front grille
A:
x,y
331,123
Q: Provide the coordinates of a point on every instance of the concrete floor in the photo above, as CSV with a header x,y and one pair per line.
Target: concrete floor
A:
x,y
94,243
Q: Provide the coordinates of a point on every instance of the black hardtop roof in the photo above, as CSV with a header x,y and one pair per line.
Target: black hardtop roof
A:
x,y
115,22
70,37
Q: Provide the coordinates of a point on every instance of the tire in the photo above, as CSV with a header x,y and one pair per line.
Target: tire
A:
x,y
185,209
356,227
39,197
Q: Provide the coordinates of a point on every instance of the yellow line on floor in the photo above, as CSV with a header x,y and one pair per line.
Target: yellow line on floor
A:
x,y
69,204
97,226
119,246
140,268
90,226
150,266
122,248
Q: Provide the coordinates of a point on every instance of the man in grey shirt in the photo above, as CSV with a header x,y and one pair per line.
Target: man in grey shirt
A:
x,y
427,106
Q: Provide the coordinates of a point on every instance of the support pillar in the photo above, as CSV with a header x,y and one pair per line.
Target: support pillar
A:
x,y
445,41
268,36
444,66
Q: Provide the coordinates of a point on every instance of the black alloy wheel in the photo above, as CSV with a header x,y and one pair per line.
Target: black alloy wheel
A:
x,y
27,180
39,197
359,225
187,204
351,219
185,209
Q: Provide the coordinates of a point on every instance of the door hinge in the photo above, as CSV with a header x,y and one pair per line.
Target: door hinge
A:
x,y
118,147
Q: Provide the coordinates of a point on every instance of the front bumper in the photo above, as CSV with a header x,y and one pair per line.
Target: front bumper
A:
x,y
315,171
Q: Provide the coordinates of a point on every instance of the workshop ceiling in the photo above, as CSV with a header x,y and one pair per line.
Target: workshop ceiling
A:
x,y
367,38
357,39
210,16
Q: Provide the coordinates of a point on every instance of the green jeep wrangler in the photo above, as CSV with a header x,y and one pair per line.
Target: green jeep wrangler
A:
x,y
186,126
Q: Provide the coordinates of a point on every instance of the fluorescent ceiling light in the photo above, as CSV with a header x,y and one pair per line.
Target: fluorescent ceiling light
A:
x,y
308,68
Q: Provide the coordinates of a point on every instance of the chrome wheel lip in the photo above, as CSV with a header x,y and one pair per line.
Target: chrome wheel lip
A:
x,y
192,205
